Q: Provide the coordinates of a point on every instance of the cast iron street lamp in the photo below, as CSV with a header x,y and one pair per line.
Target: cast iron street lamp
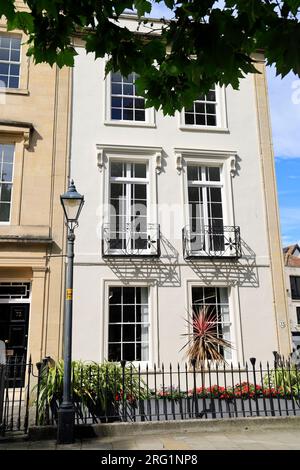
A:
x,y
72,203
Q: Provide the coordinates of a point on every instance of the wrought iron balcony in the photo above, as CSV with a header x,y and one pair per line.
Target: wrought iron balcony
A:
x,y
130,242
211,242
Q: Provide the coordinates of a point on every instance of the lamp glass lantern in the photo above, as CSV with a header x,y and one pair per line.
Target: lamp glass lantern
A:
x,y
72,203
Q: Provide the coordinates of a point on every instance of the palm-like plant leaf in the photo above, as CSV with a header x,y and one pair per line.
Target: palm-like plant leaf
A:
x,y
204,343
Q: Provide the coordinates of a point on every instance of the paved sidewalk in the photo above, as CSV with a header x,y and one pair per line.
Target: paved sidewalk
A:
x,y
264,439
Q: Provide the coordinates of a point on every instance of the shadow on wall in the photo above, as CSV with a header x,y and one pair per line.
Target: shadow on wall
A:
x,y
163,271
240,272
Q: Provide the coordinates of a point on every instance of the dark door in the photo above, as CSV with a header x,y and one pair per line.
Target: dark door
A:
x,y
14,332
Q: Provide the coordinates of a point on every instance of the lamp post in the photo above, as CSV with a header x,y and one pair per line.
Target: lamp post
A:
x,y
72,203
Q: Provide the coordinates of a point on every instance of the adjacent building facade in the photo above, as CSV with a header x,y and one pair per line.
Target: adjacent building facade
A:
x,y
292,275
34,130
181,213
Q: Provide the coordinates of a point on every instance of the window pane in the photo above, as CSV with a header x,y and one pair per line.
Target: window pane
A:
x,y
128,90
116,190
128,314
211,108
116,102
13,82
5,41
4,54
14,69
128,332
117,168
116,113
139,115
189,118
4,212
3,81
114,335
6,173
200,119
127,115
115,313
215,194
14,55
116,77
140,191
8,153
115,295
116,89
140,170
199,107
114,352
192,172
213,173
4,69
211,120
139,103
6,192
128,295
128,103
211,96
129,351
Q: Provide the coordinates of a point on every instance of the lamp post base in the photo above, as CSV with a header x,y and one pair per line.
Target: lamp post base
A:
x,y
66,420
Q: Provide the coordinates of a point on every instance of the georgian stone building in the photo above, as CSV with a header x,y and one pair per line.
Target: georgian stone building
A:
x,y
181,212
34,130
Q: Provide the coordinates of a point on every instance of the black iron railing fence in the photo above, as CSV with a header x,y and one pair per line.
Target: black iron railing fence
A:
x,y
120,392
15,390
110,392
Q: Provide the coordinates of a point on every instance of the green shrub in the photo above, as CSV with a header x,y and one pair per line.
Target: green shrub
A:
x,y
97,388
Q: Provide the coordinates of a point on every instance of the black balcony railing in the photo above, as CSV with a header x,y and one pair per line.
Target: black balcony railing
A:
x,y
130,241
211,242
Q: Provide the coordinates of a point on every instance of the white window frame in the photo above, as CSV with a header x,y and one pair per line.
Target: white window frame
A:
x,y
226,160
151,155
149,112
237,351
219,323
153,319
8,222
204,183
221,116
13,36
133,324
128,181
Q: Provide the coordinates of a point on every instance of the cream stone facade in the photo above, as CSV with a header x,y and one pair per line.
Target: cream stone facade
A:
x,y
34,129
111,276
131,301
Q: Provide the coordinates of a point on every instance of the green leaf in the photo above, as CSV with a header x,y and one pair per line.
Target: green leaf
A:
x,y
142,7
7,9
66,57
21,20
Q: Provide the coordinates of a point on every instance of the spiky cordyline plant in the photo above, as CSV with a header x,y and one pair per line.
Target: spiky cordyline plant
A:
x,y
203,341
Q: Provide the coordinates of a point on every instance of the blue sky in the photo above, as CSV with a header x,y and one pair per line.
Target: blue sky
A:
x,y
284,96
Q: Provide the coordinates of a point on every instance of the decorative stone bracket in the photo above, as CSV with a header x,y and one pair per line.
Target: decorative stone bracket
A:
x,y
180,155
17,127
121,150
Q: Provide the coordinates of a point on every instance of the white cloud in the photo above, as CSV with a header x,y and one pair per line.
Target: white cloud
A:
x,y
285,114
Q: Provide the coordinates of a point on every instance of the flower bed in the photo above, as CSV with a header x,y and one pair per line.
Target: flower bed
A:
x,y
243,390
